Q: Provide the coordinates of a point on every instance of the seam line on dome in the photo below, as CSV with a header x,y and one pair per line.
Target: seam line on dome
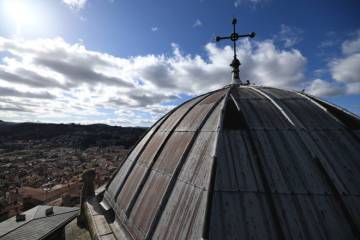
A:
x,y
207,216
342,116
275,104
320,106
306,97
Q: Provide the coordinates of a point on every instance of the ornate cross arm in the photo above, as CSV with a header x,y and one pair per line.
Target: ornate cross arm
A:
x,y
235,63
235,36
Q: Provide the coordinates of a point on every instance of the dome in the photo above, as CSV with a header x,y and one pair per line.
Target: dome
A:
x,y
243,162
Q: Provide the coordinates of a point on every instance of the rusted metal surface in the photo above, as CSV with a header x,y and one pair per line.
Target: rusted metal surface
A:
x,y
290,169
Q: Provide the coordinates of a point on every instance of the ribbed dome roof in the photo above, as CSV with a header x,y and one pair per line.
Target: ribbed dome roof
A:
x,y
243,163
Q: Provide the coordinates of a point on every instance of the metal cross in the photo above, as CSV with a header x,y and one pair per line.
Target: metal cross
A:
x,y
235,63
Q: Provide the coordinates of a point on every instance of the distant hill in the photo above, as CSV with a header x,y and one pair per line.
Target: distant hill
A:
x,y
69,135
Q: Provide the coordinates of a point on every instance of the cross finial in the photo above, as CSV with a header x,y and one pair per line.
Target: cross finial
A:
x,y
235,64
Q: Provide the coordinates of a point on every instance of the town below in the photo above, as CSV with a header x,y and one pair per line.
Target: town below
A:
x,y
42,163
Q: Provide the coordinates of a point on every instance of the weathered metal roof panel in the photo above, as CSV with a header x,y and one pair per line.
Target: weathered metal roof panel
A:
x,y
289,165
173,152
187,203
137,174
127,193
236,168
342,154
312,217
184,210
179,113
147,204
212,123
158,182
125,168
293,174
241,215
196,116
297,217
280,94
197,168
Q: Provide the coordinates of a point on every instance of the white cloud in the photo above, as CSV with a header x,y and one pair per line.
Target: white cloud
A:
x,y
351,46
75,4
321,87
346,69
353,88
64,82
154,29
279,68
197,23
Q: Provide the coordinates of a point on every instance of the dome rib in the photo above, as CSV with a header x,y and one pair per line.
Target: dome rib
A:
x,y
207,215
274,103
191,185
181,163
167,161
143,178
347,118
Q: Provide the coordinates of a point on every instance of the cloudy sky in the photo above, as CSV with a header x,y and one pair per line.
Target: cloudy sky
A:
x,y
127,62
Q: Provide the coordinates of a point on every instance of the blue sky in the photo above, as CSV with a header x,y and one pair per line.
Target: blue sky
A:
x,y
128,62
